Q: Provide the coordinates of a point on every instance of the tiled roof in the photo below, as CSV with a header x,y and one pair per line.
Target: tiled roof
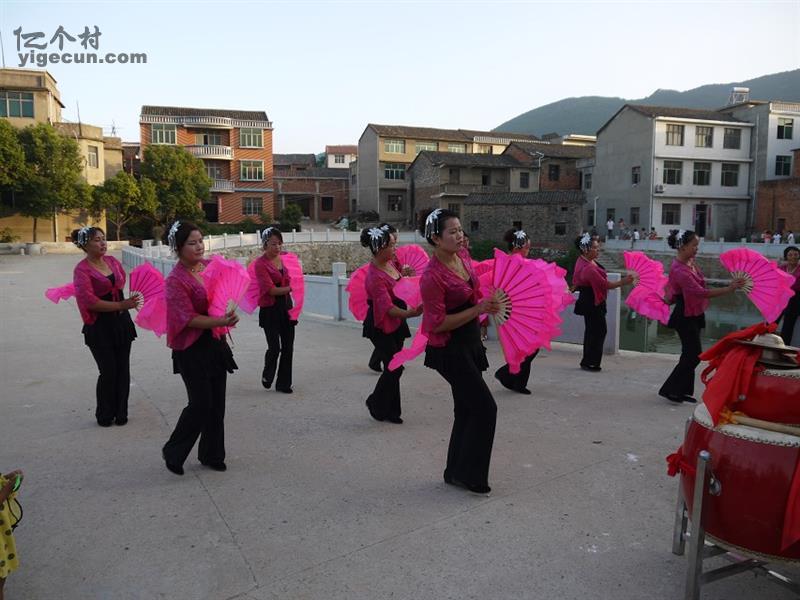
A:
x,y
341,149
518,198
446,135
682,113
294,159
183,111
555,150
315,173
468,160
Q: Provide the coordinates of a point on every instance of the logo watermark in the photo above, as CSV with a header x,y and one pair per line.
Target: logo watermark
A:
x,y
33,50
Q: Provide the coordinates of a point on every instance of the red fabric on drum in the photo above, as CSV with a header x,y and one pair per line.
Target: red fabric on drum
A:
x,y
677,463
791,520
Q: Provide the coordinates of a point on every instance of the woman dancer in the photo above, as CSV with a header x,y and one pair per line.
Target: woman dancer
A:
x,y
449,290
202,360
274,285
687,288
591,281
107,327
9,560
792,256
517,242
385,323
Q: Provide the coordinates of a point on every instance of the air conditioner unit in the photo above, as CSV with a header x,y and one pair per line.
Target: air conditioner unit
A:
x,y
659,189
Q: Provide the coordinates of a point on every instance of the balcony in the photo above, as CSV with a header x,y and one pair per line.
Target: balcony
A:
x,y
464,189
208,122
221,185
220,152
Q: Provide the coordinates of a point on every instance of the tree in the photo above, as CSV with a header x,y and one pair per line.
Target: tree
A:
x,y
12,157
290,217
53,180
180,182
123,199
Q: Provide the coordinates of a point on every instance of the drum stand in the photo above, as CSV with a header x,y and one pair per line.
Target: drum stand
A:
x,y
700,549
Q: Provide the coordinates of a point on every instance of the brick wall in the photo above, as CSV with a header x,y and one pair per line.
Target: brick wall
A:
x,y
538,220
568,176
778,199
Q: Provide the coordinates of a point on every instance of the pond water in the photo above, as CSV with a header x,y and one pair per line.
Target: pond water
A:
x,y
724,315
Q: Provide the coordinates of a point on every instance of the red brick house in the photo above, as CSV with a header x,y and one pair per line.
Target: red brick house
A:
x,y
778,207
558,163
322,193
236,147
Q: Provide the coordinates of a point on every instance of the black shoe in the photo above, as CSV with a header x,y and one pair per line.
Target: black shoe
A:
x,y
177,469
217,466
265,382
525,391
285,390
689,399
672,397
104,422
121,421
475,489
371,412
376,367
591,368
396,420
503,381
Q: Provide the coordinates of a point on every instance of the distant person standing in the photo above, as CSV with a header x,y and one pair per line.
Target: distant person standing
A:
x,y
790,237
653,234
610,227
792,257
635,237
776,237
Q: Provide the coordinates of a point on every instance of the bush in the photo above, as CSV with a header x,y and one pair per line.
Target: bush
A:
x,y
482,249
7,236
290,217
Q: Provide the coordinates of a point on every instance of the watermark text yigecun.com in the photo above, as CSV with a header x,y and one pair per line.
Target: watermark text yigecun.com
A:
x,y
32,49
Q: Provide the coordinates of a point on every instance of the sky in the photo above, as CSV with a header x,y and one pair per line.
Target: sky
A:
x,y
323,70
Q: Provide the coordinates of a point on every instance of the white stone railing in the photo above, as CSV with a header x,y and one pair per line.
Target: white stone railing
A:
x,y
773,251
211,151
209,121
221,185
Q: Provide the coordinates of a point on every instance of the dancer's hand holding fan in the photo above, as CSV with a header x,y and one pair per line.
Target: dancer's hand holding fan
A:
x,y
768,288
647,296
226,283
147,284
412,258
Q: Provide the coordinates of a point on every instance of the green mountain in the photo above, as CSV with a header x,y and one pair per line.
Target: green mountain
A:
x,y
587,114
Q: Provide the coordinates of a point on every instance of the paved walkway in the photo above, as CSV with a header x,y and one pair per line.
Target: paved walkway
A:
x,y
320,501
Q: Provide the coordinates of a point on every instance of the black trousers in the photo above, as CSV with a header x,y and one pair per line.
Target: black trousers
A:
x,y
384,401
681,381
375,361
790,319
114,382
594,336
475,411
203,417
280,345
520,380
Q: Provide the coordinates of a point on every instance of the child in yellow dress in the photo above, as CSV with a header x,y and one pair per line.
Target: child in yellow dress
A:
x,y
8,549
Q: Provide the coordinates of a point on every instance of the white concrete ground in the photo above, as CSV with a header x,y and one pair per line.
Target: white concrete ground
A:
x,y
320,501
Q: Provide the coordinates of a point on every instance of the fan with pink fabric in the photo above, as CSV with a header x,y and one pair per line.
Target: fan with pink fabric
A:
x,y
64,292
417,347
647,296
226,283
357,293
412,256
292,264
249,301
768,287
148,283
407,289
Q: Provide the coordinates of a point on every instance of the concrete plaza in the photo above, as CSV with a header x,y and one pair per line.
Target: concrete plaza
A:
x,y
320,501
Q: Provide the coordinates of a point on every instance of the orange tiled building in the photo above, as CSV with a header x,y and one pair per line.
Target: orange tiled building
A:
x,y
236,147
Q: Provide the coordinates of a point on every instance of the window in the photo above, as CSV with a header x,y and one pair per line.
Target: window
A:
x,y
338,159
394,146
486,177
252,206
560,229
524,180
460,148
785,128
93,157
732,139
473,226
783,165
16,104
634,215
163,134
670,214
251,170
587,181
250,137
516,225
395,202
430,146
394,171
674,135
208,139
590,217
455,207
553,172
703,137
214,171
702,173
672,171
484,149
327,204
636,175
730,174
454,175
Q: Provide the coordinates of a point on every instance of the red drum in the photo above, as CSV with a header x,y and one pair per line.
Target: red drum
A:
x,y
774,395
755,468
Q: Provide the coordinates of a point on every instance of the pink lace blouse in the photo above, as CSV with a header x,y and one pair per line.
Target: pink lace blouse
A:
x,y
186,299
380,290
589,274
90,285
269,277
689,283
